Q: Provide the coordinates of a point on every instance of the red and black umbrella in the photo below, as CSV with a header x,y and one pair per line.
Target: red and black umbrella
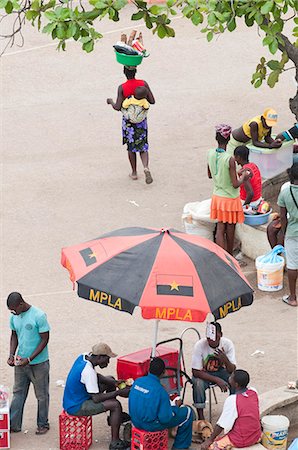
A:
x,y
169,274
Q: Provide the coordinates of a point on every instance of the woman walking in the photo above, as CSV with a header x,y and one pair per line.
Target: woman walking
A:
x,y
226,206
135,135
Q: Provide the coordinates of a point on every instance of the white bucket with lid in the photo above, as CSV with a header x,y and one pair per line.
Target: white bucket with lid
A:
x,y
275,432
270,276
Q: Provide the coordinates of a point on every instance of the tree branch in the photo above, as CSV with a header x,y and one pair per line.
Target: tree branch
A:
x,y
289,48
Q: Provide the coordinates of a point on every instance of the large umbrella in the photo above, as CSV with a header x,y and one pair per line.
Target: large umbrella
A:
x,y
170,275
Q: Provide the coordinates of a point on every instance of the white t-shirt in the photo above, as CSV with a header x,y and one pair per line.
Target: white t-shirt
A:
x,y
203,357
89,378
229,413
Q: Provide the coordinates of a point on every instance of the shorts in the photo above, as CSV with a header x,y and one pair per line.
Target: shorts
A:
x,y
291,246
90,408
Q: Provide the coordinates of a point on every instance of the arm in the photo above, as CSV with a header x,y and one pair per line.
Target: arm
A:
x,y
216,432
208,172
236,182
165,412
269,142
12,348
150,98
249,192
283,218
119,101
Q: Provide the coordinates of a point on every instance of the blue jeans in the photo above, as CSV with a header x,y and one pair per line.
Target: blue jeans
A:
x,y
38,375
200,386
182,419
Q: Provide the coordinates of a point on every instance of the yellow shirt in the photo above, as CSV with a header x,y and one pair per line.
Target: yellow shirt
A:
x,y
134,101
262,131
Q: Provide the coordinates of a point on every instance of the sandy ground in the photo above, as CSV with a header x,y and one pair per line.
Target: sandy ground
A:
x,y
65,180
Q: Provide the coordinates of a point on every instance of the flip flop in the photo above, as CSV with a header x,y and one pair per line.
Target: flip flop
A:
x,y
133,177
286,300
148,176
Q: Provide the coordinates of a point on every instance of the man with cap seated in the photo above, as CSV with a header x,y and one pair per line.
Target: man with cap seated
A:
x,y
150,407
256,131
88,393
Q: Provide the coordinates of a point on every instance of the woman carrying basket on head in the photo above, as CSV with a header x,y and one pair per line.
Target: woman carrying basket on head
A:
x,y
134,132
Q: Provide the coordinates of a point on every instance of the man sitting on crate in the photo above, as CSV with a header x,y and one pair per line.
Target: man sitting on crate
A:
x,y
213,361
88,393
240,417
150,408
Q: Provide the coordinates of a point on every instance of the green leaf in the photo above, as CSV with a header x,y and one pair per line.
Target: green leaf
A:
x,y
156,10
9,7
232,25
273,78
209,36
277,27
171,3
173,12
3,3
219,16
170,31
30,15
273,47
119,4
71,30
273,64
161,31
212,19
249,21
50,15
148,21
89,46
137,16
85,39
259,18
49,27
100,5
35,5
258,83
187,10
54,34
197,18
61,31
268,40
266,8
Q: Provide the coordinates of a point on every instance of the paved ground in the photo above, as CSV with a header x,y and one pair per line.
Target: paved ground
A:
x,y
65,180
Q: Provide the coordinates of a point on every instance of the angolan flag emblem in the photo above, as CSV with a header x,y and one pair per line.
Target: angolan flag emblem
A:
x,y
174,285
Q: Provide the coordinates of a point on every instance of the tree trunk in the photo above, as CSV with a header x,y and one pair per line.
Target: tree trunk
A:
x,y
293,102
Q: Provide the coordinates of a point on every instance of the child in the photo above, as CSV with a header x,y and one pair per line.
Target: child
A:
x,y
251,190
135,108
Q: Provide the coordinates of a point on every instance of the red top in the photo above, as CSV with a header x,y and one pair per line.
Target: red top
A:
x,y
255,181
130,86
247,428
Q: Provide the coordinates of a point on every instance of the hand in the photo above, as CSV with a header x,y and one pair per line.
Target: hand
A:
x,y
178,402
222,384
109,101
276,144
10,360
222,355
21,362
247,174
124,392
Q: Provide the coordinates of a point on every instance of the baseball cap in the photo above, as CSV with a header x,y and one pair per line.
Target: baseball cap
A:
x,y
103,349
270,116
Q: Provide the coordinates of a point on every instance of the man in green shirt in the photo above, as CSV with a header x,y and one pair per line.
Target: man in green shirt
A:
x,y
288,203
29,356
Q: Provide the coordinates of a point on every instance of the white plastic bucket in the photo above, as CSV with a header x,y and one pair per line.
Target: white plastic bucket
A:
x,y
270,276
275,432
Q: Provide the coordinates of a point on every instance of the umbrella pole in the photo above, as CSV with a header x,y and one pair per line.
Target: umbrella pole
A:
x,y
156,323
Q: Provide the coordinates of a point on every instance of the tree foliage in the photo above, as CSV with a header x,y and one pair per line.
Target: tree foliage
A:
x,y
62,22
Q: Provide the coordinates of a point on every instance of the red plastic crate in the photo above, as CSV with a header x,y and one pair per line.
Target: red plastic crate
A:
x,y
4,421
75,432
149,440
4,439
136,365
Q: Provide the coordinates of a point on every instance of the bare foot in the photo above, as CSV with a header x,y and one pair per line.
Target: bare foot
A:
x,y
133,176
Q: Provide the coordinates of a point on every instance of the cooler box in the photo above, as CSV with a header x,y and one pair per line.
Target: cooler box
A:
x,y
272,161
137,364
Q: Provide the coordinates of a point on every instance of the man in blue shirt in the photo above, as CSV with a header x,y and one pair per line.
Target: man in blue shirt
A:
x,y
30,335
88,393
150,408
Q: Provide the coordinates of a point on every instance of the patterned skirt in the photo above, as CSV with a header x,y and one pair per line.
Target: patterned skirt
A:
x,y
135,135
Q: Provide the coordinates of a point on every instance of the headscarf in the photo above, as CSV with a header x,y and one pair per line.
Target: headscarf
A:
x,y
223,129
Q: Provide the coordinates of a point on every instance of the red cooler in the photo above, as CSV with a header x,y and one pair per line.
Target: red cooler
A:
x,y
136,365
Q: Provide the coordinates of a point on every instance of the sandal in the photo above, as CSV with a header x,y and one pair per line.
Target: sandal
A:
x,y
119,445
148,176
286,300
41,430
